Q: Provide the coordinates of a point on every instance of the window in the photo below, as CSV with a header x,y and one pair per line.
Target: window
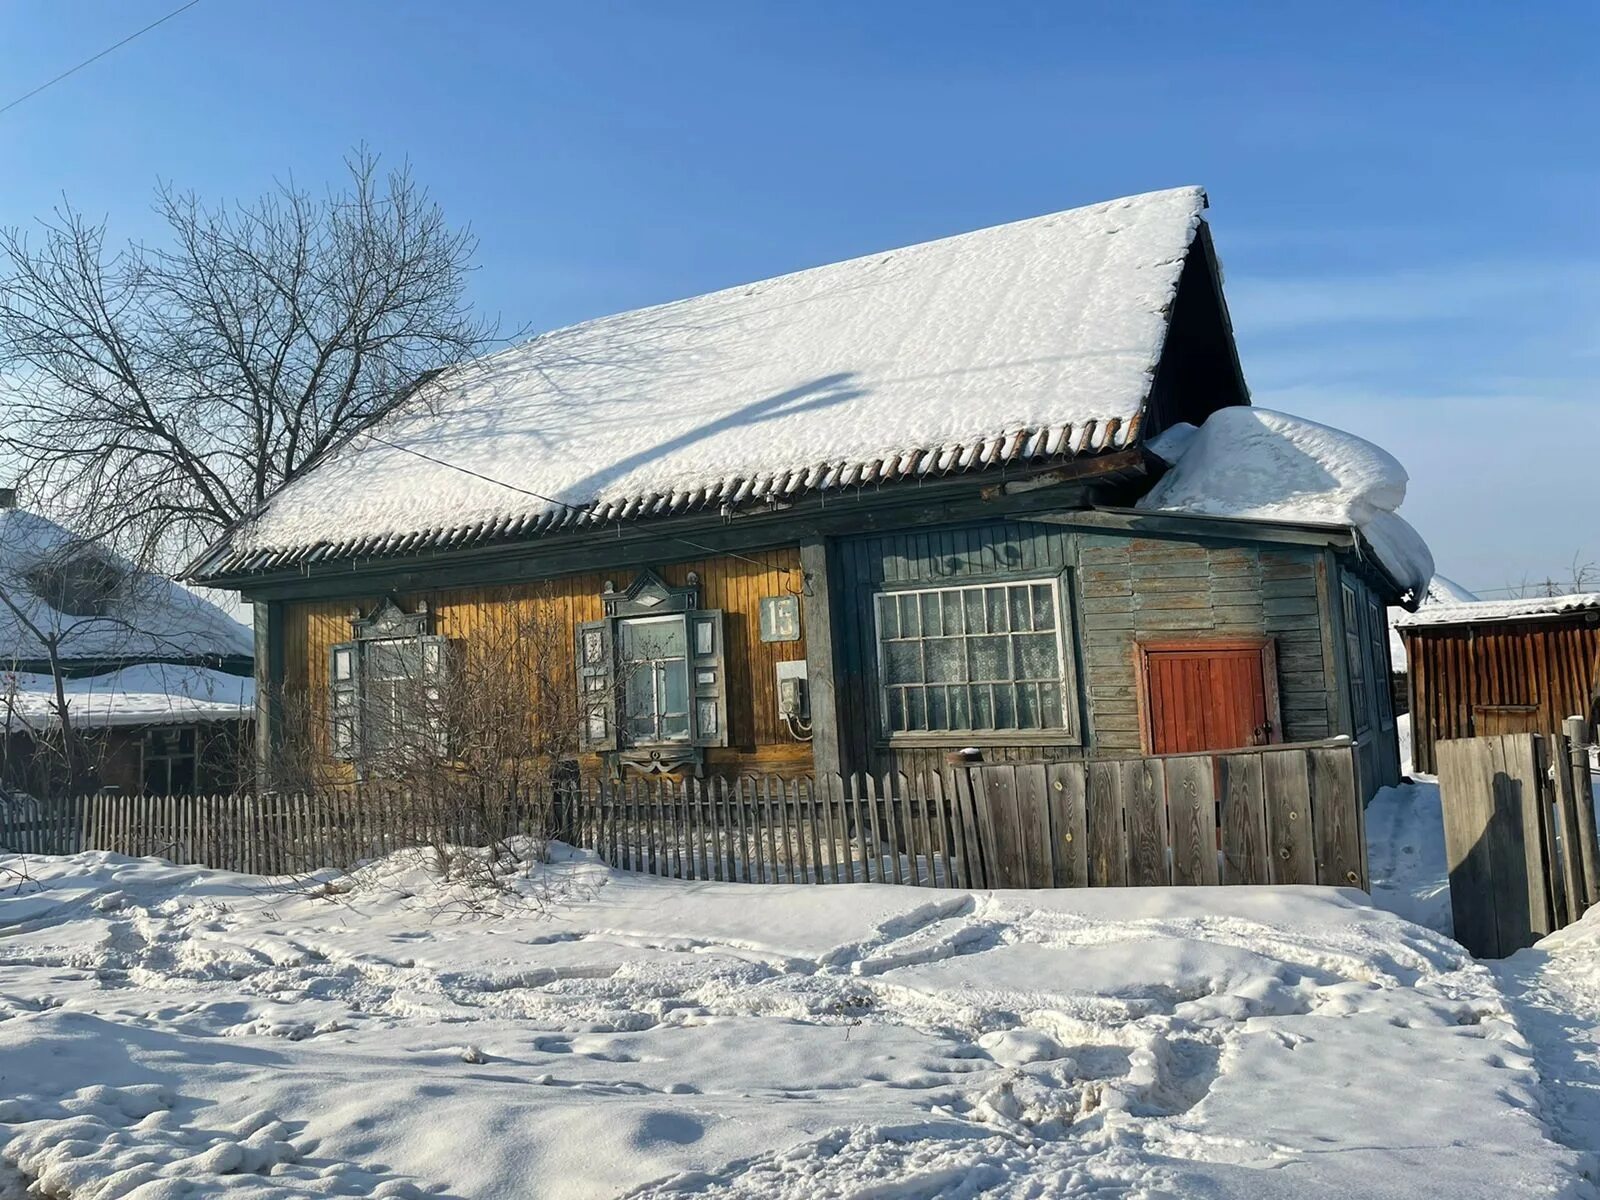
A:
x,y
171,760
1356,656
1378,625
979,658
387,688
651,676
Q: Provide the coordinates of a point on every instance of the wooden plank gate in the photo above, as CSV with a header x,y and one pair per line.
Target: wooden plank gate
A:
x,y
1519,826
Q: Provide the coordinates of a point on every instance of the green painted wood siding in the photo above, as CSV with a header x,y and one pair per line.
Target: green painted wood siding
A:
x,y
1117,589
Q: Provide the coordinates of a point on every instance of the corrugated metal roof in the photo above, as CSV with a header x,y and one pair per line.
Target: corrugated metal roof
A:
x,y
1485,611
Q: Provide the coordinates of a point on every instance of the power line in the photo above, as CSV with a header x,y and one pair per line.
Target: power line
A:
x,y
676,537
98,57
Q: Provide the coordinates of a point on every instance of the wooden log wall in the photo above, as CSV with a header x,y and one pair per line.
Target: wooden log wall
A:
x,y
758,739
1504,677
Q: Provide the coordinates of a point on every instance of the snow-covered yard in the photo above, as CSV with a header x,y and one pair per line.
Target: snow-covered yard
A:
x,y
180,1032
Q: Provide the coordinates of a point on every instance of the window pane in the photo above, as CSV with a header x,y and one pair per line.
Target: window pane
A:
x,y
994,603
888,617
938,709
1028,706
902,662
910,626
960,710
1021,610
1036,656
916,716
1044,606
989,658
946,662
982,707
1005,714
974,607
897,710
674,683
952,614
931,621
1050,706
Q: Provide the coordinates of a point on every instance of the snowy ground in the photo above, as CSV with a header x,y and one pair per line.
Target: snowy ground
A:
x,y
176,1032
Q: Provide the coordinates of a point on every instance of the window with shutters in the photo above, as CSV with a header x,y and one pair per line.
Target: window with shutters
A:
x,y
1383,669
973,659
1356,656
388,689
651,676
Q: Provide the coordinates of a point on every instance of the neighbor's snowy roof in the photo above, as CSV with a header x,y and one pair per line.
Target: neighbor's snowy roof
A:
x,y
1272,466
148,615
140,694
1441,590
1027,341
1498,610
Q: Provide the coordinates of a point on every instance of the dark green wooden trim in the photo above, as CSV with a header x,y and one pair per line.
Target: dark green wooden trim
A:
x,y
269,672
816,620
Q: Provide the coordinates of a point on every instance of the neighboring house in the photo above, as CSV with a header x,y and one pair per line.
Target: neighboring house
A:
x,y
1440,590
156,681
1500,666
857,518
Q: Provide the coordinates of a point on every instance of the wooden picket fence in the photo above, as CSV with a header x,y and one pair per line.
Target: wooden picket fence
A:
x,y
275,834
1520,840
1267,815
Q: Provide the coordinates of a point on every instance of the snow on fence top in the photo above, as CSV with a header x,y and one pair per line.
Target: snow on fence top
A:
x,y
1481,611
1256,463
98,603
1020,342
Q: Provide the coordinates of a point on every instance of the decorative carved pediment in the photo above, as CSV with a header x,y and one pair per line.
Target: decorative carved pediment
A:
x,y
649,594
389,620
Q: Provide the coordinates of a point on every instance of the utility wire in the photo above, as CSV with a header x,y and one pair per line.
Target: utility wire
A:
x,y
563,504
98,57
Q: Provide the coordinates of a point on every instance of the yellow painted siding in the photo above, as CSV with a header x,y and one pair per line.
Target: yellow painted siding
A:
x,y
758,739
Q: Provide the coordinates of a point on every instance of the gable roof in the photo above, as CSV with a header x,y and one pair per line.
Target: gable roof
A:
x,y
144,616
1026,342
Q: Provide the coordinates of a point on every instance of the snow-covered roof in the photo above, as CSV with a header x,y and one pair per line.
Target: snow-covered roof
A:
x,y
1023,342
1482,611
140,694
1264,465
140,615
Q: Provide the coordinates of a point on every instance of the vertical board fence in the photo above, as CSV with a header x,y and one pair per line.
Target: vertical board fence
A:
x,y
1267,815
1519,827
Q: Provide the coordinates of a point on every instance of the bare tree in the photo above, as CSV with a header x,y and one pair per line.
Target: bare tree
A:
x,y
477,751
189,381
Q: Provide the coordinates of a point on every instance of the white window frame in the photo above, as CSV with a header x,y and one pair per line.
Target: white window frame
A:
x,y
1066,678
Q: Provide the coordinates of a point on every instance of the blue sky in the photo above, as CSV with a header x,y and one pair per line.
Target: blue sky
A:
x,y
1405,197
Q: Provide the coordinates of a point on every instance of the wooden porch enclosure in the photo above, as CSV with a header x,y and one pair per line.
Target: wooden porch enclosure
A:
x,y
1287,814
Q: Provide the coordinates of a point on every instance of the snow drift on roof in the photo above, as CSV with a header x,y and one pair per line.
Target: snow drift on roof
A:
x,y
1252,462
1498,610
1034,338
144,615
141,694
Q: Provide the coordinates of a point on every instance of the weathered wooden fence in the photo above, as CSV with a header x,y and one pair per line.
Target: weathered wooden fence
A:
x,y
279,834
1275,814
1519,826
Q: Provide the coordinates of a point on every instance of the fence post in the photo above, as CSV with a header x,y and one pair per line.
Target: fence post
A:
x,y
1583,797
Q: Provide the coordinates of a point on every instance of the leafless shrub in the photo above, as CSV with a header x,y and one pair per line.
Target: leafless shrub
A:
x,y
466,762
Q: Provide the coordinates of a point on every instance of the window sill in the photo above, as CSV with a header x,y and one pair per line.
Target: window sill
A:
x,y
956,740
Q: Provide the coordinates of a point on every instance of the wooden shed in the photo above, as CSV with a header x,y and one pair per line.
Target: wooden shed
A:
x,y
1514,666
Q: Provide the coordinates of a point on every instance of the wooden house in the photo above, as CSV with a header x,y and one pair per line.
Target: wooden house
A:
x,y
1500,666
851,519
156,682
